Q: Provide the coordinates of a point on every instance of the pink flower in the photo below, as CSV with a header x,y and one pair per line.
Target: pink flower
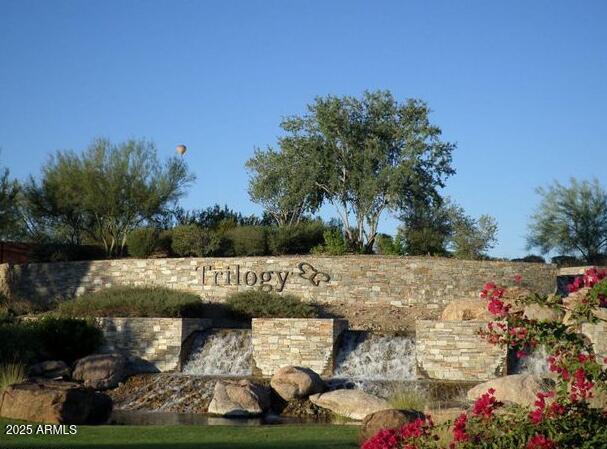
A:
x,y
539,441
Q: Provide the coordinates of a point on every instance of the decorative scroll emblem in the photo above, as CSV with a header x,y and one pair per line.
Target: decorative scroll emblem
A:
x,y
307,271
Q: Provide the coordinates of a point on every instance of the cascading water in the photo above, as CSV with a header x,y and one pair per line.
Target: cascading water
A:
x,y
222,352
534,363
366,356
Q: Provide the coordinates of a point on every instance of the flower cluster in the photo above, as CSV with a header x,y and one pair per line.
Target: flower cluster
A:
x,y
541,412
407,437
591,277
486,404
539,441
494,295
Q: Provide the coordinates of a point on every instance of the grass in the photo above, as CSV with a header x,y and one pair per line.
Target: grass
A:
x,y
134,302
410,398
11,373
260,304
192,437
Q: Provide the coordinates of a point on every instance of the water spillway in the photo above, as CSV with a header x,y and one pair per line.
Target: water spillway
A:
x,y
221,352
367,356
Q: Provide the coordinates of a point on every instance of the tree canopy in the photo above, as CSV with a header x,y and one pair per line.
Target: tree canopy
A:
x,y
9,212
571,219
363,155
104,193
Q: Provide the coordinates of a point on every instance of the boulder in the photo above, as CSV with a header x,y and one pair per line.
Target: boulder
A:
x,y
293,382
386,419
239,399
50,369
100,371
54,402
542,313
466,310
518,388
353,404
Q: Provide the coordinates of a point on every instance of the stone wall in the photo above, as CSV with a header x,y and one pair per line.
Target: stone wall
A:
x,y
452,350
369,280
154,344
311,343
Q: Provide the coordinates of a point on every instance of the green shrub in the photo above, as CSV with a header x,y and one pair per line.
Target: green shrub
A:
x,y
335,244
259,304
388,246
11,373
247,241
296,239
133,302
144,242
48,338
192,240
409,398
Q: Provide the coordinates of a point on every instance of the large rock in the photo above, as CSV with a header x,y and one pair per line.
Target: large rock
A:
x,y
100,371
237,399
293,382
386,419
50,369
54,403
542,313
465,310
353,404
518,388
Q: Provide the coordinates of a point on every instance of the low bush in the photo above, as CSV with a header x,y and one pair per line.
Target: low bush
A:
x,y
259,304
192,240
386,245
48,338
133,302
335,244
144,242
11,373
247,241
296,239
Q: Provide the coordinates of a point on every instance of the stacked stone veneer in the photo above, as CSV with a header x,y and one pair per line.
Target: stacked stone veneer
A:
x,y
370,280
152,343
453,350
311,343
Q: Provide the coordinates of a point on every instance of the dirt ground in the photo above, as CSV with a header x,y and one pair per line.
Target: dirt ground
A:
x,y
381,319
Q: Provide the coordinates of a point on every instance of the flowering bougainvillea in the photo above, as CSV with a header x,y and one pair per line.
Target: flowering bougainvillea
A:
x,y
559,419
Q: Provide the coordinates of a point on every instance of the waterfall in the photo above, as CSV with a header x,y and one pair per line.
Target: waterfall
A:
x,y
222,352
366,356
534,363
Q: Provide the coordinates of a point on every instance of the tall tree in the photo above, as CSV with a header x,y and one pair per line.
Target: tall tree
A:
x,y
107,191
471,238
365,156
571,219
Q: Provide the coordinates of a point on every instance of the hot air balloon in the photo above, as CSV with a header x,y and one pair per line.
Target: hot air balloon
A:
x,y
181,149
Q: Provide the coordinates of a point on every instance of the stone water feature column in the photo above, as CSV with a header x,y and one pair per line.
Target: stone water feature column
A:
x,y
453,350
311,343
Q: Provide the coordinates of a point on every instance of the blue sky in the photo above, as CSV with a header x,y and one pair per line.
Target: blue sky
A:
x,y
520,86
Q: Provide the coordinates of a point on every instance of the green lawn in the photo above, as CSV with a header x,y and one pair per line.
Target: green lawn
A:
x,y
186,437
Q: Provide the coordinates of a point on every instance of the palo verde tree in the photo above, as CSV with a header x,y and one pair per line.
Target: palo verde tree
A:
x,y
364,156
571,219
104,193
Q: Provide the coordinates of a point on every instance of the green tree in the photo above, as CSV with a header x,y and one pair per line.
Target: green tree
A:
x,y
471,238
106,192
571,219
443,228
363,155
9,212
283,186
426,229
